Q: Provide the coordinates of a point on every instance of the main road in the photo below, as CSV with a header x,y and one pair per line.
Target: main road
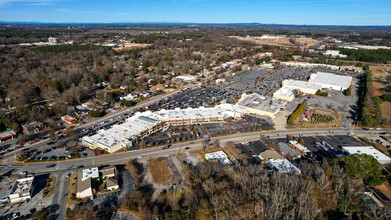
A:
x,y
123,157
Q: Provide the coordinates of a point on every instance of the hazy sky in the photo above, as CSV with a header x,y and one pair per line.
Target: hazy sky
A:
x,y
322,12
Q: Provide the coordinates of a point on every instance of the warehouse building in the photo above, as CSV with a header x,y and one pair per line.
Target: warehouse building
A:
x,y
304,86
143,124
331,81
261,105
379,156
319,81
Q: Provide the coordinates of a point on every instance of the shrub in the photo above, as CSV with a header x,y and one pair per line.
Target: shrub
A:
x,y
349,91
320,93
97,113
296,113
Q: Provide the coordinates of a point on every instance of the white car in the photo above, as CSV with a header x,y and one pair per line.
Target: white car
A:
x,y
139,156
23,173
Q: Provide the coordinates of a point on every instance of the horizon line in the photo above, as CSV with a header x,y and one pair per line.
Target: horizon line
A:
x,y
183,23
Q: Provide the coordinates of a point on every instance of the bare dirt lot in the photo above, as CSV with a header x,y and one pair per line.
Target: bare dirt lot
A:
x,y
159,171
377,88
386,109
378,71
284,42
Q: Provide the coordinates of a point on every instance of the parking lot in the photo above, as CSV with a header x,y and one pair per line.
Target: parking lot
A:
x,y
25,208
56,151
263,81
193,99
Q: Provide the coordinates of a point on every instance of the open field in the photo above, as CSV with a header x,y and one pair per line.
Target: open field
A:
x,y
307,41
129,46
301,123
159,171
386,109
283,42
378,71
377,88
385,188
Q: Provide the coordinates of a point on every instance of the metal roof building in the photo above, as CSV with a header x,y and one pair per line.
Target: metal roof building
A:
x,y
369,150
331,81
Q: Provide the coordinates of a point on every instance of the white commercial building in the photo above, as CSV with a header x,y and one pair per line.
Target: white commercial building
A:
x,y
284,166
379,156
53,41
261,105
304,86
331,81
185,78
220,156
84,182
90,173
284,93
22,190
334,54
145,123
320,81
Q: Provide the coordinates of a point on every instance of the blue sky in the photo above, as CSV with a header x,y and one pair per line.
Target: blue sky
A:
x,y
311,12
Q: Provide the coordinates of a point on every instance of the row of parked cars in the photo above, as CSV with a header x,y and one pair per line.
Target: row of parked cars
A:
x,y
103,125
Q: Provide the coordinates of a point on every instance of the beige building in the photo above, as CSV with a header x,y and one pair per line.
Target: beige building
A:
x,y
22,190
285,94
261,105
84,182
108,173
112,184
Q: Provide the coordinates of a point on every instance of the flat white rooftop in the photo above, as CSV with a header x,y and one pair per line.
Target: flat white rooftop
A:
x,y
220,156
120,134
260,102
22,186
284,166
330,79
286,92
299,146
290,83
369,150
90,172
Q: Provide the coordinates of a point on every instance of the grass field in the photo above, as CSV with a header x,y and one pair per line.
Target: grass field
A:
x,y
72,190
159,171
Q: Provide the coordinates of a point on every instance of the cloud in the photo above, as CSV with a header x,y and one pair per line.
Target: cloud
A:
x,y
6,3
